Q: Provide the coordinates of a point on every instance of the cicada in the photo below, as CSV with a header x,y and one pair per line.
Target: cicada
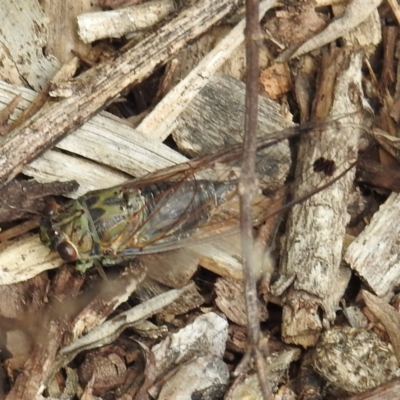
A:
x,y
172,208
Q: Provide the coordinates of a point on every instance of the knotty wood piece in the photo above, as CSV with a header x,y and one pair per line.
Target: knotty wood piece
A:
x,y
92,90
311,252
374,254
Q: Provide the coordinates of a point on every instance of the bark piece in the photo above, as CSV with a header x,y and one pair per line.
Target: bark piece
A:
x,y
26,258
94,141
387,391
19,198
108,372
151,288
354,360
374,254
214,120
161,121
203,340
230,300
388,316
378,176
312,247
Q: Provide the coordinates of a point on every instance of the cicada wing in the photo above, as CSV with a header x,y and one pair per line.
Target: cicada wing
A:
x,y
224,222
177,216
172,211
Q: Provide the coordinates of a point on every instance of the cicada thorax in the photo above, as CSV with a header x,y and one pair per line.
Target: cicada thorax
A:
x,y
67,229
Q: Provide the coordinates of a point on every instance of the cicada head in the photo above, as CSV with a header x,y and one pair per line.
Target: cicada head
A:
x,y
65,229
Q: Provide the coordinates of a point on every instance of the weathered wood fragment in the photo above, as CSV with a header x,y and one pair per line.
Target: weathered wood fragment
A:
x,y
374,254
98,25
312,247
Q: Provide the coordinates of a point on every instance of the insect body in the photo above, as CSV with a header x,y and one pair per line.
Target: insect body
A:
x,y
115,224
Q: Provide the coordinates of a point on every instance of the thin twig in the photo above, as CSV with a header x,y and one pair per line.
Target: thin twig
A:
x,y
247,186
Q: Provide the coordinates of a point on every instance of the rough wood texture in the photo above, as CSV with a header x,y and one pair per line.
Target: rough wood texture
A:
x,y
63,38
374,254
388,391
104,139
214,120
312,247
23,61
92,90
94,26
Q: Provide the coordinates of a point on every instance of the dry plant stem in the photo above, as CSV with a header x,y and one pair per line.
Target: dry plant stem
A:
x,y
97,87
247,187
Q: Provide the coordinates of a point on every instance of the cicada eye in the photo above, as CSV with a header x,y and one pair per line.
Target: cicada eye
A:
x,y
67,252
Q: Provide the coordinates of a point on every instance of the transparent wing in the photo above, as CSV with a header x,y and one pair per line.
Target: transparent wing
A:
x,y
197,201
